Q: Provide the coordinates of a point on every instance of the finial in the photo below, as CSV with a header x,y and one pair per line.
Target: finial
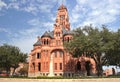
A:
x,y
62,2
38,37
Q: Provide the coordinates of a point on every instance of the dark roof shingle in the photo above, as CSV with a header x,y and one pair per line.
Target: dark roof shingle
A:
x,y
48,34
38,43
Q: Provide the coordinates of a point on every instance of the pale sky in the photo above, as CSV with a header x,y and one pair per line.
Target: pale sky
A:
x,y
21,21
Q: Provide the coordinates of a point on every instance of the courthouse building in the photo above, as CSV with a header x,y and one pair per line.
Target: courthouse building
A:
x,y
49,57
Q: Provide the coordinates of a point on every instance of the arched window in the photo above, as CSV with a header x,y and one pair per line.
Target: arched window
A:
x,y
44,41
55,54
33,64
55,66
60,66
78,66
61,54
67,39
38,55
39,66
47,41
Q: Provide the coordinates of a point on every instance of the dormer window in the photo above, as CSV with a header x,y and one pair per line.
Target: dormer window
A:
x,y
46,42
67,39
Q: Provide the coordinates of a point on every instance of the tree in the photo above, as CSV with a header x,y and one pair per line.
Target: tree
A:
x,y
114,53
11,56
5,62
95,43
117,48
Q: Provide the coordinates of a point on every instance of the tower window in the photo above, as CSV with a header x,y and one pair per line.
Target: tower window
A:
x,y
57,34
62,17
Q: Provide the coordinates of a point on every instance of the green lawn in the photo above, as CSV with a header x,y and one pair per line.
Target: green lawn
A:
x,y
44,77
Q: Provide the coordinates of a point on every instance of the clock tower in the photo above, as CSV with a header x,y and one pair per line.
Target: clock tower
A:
x,y
62,19
61,25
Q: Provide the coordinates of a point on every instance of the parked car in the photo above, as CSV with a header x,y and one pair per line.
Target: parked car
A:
x,y
4,74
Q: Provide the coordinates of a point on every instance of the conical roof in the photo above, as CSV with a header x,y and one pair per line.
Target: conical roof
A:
x,y
62,7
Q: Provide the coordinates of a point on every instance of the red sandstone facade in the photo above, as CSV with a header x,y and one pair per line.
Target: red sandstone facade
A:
x,y
49,56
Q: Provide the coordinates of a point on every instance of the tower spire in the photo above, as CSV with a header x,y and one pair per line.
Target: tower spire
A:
x,y
62,2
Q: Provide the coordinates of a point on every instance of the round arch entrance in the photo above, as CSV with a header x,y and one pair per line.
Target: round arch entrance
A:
x,y
57,53
87,65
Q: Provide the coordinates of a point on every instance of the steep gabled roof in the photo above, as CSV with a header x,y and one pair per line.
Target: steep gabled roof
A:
x,y
51,34
67,32
38,43
48,34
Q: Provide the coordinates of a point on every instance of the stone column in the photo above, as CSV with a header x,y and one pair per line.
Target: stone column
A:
x,y
51,73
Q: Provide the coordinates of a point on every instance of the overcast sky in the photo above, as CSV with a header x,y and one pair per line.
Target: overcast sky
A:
x,y
21,21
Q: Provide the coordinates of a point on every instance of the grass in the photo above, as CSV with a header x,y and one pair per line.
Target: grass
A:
x,y
45,77
114,76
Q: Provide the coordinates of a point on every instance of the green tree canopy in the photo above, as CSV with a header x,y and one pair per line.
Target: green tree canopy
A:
x,y
11,56
101,44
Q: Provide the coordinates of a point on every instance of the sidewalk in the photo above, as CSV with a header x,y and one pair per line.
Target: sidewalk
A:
x,y
59,80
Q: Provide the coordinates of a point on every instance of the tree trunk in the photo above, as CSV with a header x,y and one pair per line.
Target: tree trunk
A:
x,y
13,71
100,71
